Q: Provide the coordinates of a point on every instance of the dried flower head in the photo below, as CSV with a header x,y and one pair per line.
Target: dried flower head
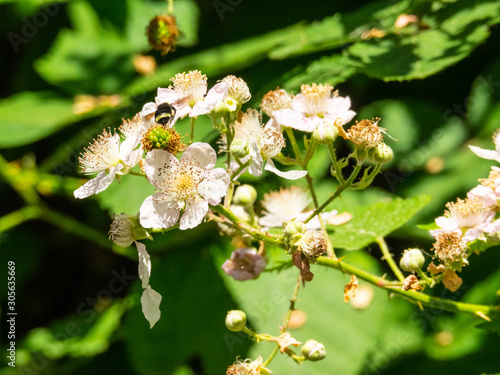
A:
x,y
451,280
312,244
275,100
350,289
450,248
411,283
285,340
162,33
366,133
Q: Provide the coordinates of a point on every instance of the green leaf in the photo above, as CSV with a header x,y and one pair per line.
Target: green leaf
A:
x,y
215,61
350,335
126,196
341,29
193,309
493,326
92,59
30,116
370,222
328,69
456,30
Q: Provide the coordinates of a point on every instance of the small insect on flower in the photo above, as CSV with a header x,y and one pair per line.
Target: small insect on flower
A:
x,y
165,112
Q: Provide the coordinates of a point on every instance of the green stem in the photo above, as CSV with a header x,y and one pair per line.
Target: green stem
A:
x,y
191,134
134,173
295,145
337,193
287,320
170,7
23,186
240,168
336,166
411,295
429,281
387,256
272,239
18,217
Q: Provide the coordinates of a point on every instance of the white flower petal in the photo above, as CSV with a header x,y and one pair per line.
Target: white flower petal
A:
x,y
216,95
165,95
99,183
148,109
150,302
144,264
289,175
288,117
157,164
446,223
486,154
255,168
194,214
200,154
158,214
214,186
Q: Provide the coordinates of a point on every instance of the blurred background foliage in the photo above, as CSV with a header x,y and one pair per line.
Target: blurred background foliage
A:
x,y
67,71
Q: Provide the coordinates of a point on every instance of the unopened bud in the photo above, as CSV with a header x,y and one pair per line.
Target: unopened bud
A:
x,y
313,350
236,320
361,154
294,227
412,260
381,153
239,148
325,134
245,195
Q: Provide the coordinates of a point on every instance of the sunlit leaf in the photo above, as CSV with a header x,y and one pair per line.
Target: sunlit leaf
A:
x,y
370,222
30,116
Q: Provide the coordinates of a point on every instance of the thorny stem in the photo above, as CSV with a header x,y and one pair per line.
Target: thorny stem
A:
x,y
335,163
272,239
423,276
387,256
287,320
337,193
418,297
240,168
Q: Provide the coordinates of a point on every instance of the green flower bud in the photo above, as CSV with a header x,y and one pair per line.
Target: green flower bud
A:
x,y
412,260
239,148
236,320
245,195
294,227
325,134
381,153
361,154
313,350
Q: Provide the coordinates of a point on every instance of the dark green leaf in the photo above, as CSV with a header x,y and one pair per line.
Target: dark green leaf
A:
x,y
30,116
456,30
370,222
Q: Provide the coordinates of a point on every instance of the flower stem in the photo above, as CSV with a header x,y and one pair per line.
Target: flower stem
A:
x,y
295,145
336,166
417,297
272,239
287,320
191,133
337,193
387,256
170,8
